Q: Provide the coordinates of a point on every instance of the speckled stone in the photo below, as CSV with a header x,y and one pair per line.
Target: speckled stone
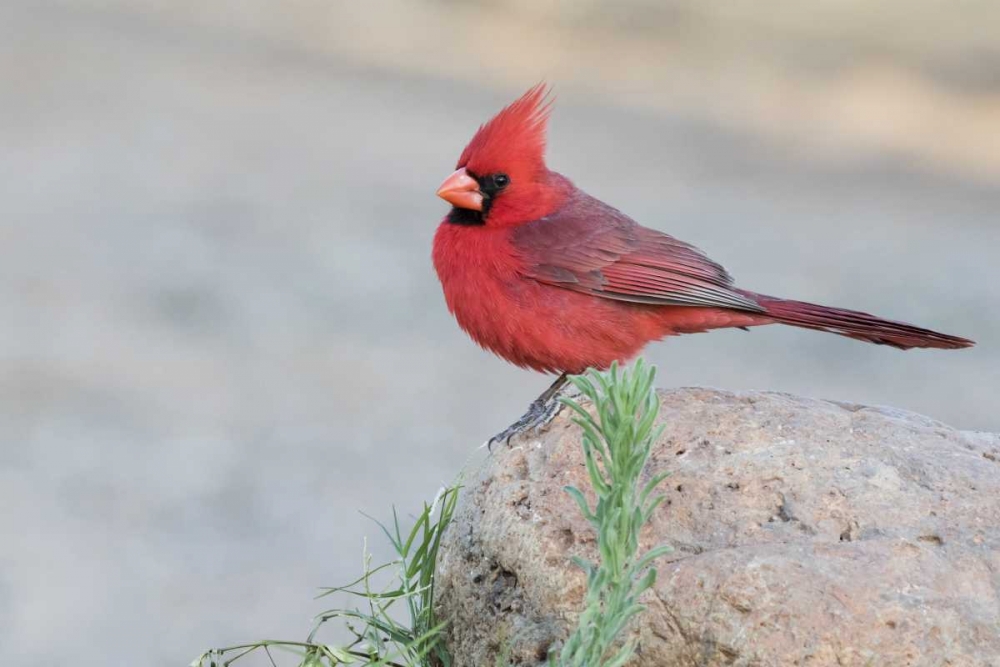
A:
x,y
805,532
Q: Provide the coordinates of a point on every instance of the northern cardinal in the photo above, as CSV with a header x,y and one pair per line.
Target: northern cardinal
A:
x,y
549,278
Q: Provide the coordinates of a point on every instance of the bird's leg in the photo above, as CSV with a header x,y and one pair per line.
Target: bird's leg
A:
x,y
541,411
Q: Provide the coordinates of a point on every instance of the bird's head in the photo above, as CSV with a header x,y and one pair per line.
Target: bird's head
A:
x,y
501,179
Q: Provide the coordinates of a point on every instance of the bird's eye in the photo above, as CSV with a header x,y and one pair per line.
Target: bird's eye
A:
x,y
491,185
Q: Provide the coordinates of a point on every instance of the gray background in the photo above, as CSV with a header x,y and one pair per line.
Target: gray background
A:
x,y
221,332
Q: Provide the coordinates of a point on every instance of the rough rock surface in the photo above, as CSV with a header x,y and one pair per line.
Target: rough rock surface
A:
x,y
805,532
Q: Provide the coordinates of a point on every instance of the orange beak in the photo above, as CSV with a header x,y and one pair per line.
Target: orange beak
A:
x,y
462,191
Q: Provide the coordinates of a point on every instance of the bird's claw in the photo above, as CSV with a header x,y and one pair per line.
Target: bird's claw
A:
x,y
538,416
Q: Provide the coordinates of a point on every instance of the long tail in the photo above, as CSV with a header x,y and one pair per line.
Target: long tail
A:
x,y
860,326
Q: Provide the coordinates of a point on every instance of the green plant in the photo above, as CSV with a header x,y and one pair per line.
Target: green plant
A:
x,y
616,448
379,639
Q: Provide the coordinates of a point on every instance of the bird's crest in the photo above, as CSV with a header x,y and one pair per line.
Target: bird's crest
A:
x,y
514,139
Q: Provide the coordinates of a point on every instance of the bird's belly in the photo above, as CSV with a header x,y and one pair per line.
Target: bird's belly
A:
x,y
551,329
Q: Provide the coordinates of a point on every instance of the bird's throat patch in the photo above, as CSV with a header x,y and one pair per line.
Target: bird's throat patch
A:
x,y
466,217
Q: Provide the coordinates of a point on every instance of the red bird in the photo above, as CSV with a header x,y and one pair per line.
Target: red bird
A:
x,y
549,278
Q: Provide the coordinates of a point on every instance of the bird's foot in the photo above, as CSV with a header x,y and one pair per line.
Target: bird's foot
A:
x,y
540,413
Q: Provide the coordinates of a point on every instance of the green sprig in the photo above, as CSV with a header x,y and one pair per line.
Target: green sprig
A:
x,y
380,640
616,447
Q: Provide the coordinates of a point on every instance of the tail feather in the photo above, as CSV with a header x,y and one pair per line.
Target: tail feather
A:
x,y
857,325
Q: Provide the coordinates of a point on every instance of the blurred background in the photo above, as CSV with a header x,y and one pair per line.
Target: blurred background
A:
x,y
220,332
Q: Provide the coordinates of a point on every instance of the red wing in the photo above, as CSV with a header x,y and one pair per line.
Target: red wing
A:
x,y
587,246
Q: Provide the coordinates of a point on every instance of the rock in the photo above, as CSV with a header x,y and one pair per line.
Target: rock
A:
x,y
805,532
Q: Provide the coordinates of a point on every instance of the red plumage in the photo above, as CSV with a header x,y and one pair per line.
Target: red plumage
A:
x,y
550,278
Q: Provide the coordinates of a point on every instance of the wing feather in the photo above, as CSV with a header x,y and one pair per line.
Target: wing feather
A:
x,y
590,247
